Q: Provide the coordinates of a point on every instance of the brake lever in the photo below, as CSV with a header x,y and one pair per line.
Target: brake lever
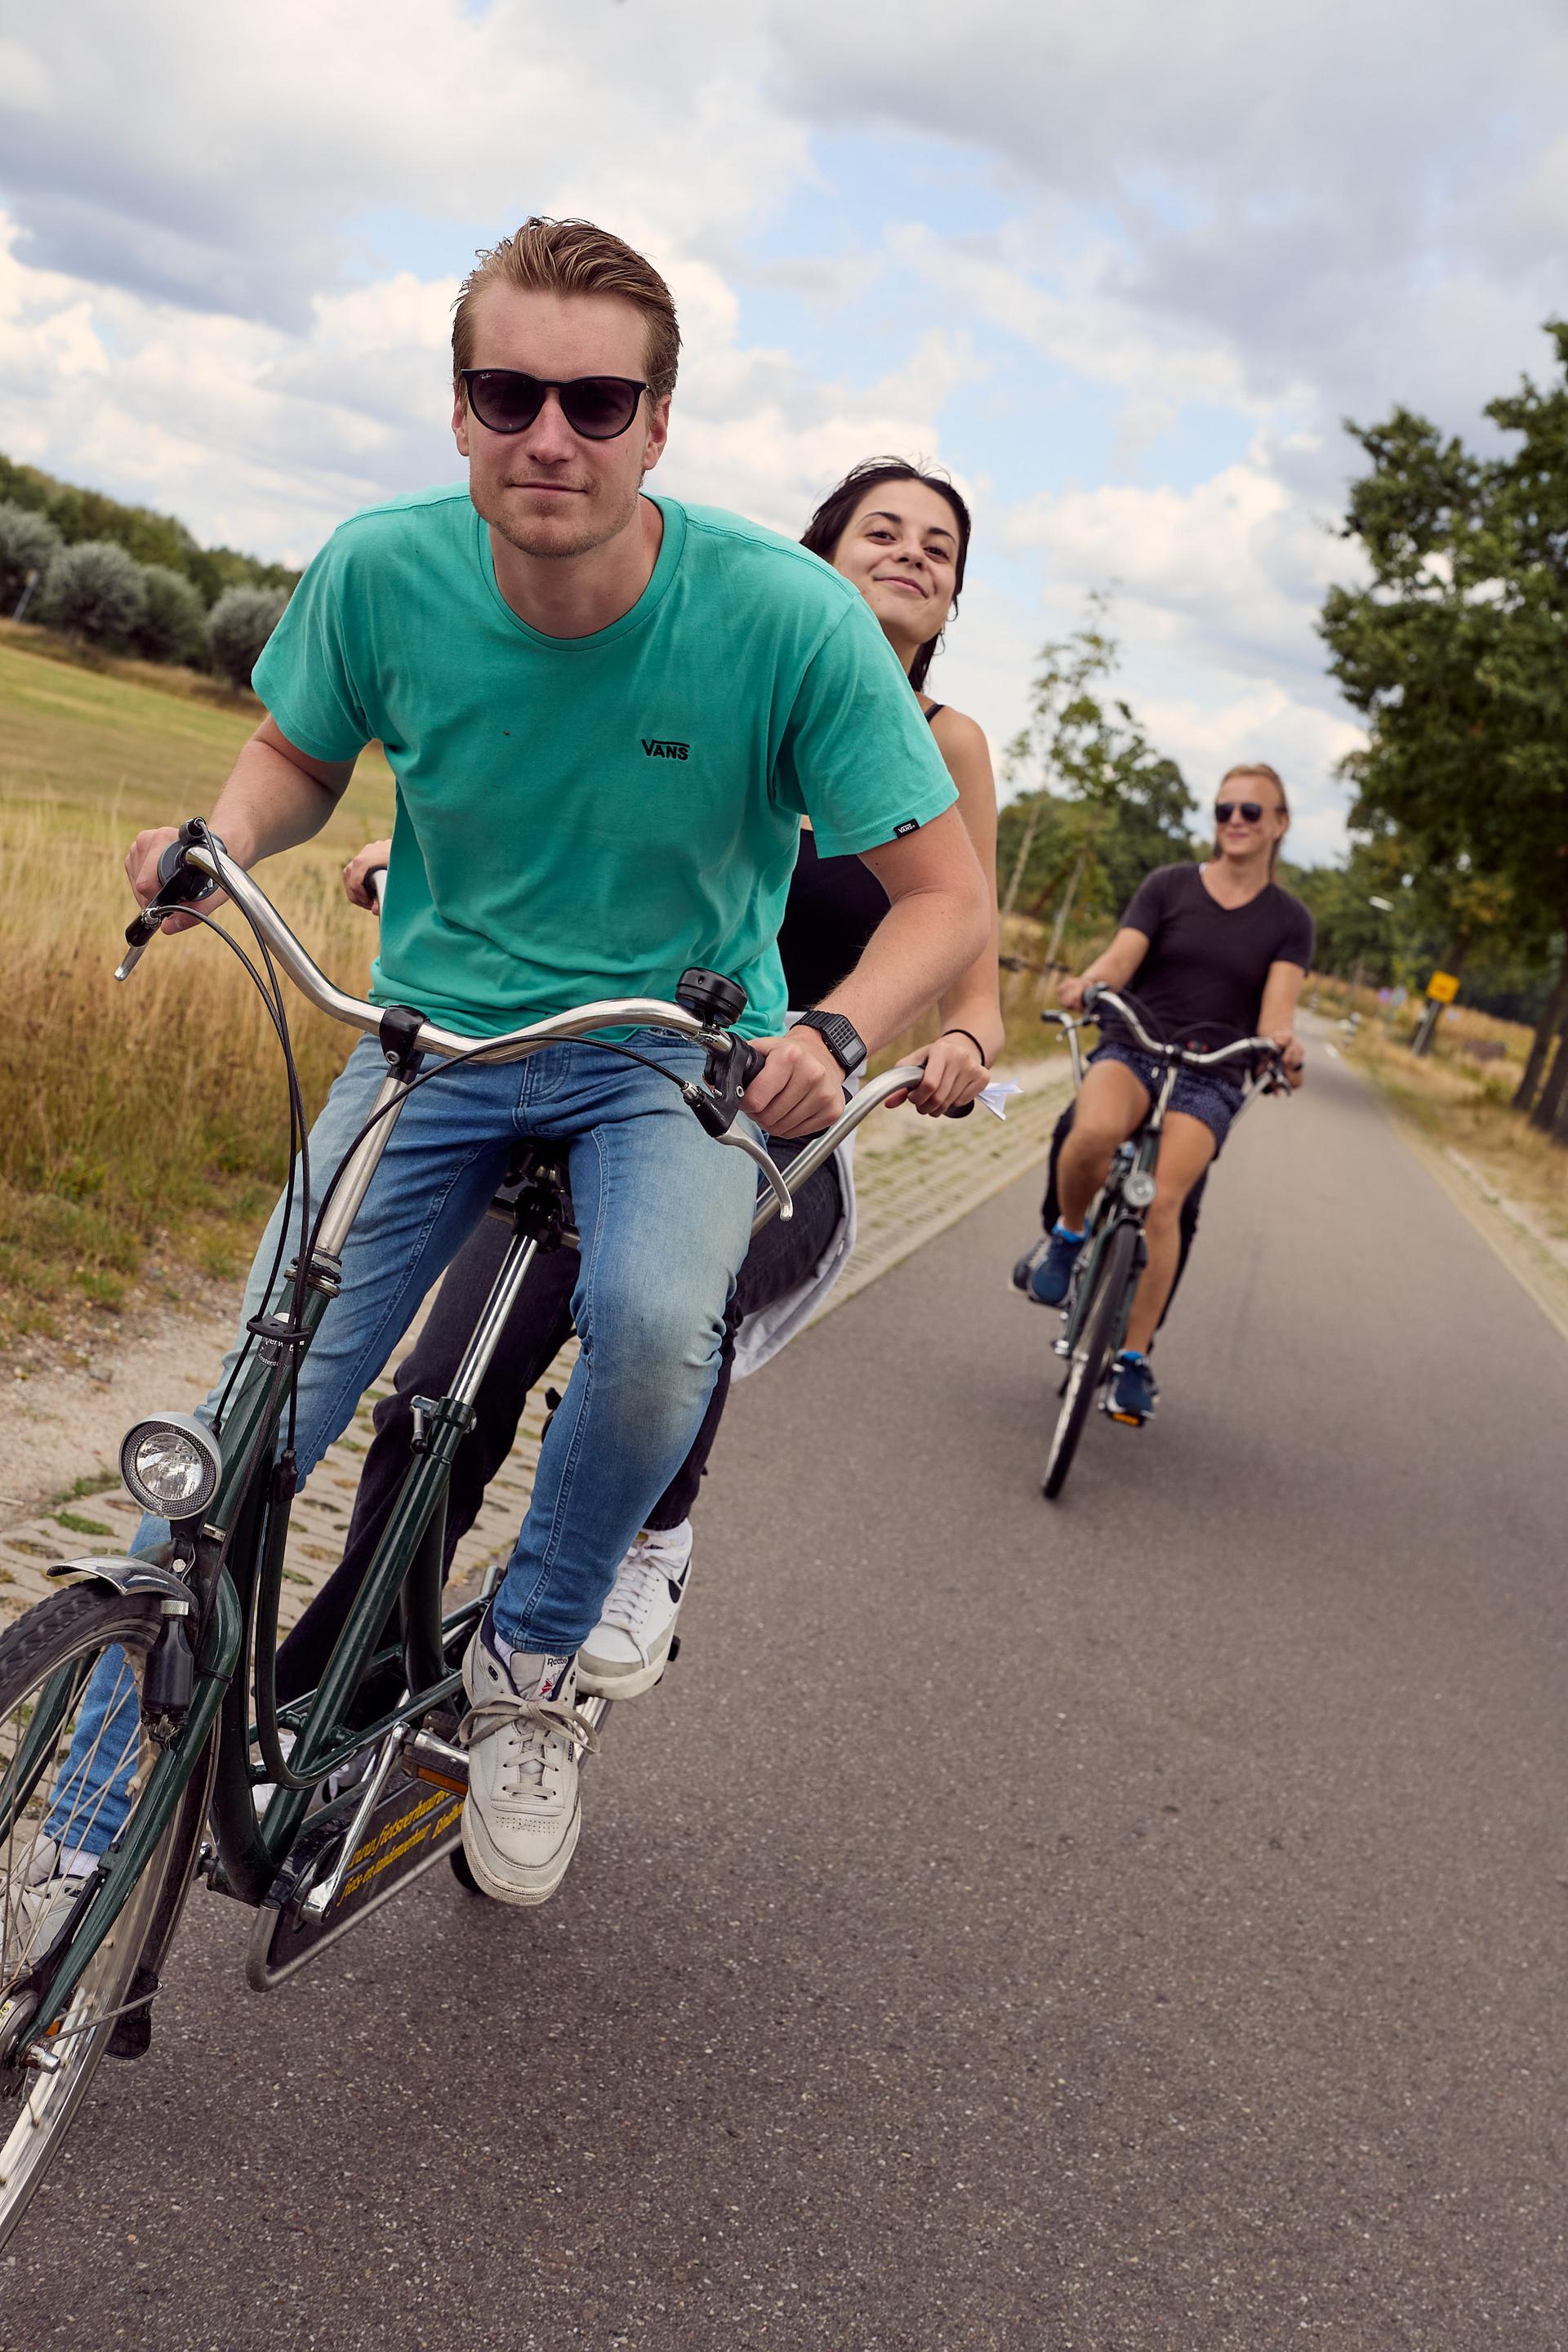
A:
x,y
179,885
728,1071
754,1152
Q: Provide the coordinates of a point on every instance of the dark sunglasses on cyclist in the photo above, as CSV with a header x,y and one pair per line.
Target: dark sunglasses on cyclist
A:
x,y
596,407
1225,810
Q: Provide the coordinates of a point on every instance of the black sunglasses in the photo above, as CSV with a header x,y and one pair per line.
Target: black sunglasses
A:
x,y
598,407
1225,810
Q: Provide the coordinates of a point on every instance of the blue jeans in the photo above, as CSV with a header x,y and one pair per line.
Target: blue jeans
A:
x,y
664,1216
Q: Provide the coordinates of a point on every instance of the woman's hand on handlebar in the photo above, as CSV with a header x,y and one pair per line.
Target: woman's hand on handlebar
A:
x,y
359,870
954,1075
799,1089
1292,1054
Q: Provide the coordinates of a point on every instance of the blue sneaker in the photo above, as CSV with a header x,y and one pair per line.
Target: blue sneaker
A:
x,y
1134,1390
1045,1274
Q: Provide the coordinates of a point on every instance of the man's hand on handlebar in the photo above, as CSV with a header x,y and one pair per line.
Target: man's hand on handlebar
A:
x,y
799,1089
142,872
1070,986
359,870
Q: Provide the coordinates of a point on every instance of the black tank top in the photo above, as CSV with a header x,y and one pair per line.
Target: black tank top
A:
x,y
835,905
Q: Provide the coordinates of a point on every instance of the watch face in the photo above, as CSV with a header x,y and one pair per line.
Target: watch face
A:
x,y
841,1038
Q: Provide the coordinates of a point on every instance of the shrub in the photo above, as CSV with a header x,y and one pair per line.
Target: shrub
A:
x,y
28,543
94,590
239,626
173,627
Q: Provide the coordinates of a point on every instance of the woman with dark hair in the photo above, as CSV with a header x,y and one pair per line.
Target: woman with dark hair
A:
x,y
902,536
1213,953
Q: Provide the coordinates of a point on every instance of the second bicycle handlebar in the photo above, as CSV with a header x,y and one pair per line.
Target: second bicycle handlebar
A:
x,y
1241,1049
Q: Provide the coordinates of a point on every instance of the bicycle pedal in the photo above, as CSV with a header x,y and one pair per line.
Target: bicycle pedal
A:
x,y
427,1756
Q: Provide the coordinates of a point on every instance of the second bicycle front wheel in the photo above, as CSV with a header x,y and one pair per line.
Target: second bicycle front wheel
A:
x,y
74,1755
1097,1336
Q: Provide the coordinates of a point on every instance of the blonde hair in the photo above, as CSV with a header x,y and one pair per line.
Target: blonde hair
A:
x,y
572,257
1262,768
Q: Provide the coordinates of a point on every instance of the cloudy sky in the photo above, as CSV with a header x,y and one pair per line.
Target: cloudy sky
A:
x,y
1122,269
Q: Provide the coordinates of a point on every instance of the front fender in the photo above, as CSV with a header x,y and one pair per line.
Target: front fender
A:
x,y
121,1573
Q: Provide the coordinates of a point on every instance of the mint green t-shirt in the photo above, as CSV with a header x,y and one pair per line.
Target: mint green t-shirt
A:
x,y
583,817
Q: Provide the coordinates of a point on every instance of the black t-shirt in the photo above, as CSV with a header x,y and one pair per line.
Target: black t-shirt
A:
x,y
1202,979
835,904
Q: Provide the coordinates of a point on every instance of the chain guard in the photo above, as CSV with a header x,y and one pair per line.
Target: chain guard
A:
x,y
413,1826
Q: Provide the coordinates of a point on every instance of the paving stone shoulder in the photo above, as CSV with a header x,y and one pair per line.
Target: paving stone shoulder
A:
x,y
914,1178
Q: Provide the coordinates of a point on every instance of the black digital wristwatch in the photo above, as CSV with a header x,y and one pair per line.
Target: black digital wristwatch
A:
x,y
840,1037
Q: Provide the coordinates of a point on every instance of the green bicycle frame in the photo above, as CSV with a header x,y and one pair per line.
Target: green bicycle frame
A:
x,y
1112,1210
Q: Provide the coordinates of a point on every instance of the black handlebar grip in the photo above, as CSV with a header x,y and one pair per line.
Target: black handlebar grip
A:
x,y
180,885
959,1111
748,1062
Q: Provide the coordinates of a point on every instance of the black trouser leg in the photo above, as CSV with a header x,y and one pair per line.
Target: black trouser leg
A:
x,y
782,1257
780,1260
534,1333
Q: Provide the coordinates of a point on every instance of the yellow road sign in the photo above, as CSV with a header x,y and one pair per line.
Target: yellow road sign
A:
x,y
1444,986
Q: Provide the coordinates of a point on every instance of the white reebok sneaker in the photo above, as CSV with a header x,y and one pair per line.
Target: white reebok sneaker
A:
x,y
627,1651
523,1734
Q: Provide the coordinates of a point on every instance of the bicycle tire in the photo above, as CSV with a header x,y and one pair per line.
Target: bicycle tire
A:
x,y
68,1630
1115,1273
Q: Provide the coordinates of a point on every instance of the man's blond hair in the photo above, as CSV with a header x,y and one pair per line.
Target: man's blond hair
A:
x,y
572,257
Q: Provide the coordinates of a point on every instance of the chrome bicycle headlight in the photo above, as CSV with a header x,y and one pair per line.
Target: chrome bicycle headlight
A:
x,y
1138,1188
171,1465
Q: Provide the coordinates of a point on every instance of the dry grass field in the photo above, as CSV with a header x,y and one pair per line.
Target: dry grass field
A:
x,y
1460,1101
142,1127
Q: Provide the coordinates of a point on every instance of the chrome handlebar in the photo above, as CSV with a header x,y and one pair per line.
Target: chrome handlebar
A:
x,y
357,1012
1072,1024
809,1158
1239,1049
516,1044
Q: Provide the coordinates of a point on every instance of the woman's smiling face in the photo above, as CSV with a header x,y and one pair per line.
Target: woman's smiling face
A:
x,y
899,547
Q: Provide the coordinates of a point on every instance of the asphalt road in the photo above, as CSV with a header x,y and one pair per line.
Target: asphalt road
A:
x,y
1136,1923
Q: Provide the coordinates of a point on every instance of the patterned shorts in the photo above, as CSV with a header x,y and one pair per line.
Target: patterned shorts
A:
x,y
1202,1093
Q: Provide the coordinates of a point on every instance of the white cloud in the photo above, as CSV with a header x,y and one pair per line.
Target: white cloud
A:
x,y
230,238
1264,721
221,158
1235,569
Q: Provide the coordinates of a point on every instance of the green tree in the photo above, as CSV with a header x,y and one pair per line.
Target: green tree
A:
x,y
172,627
1099,807
78,514
1456,651
94,591
28,543
238,627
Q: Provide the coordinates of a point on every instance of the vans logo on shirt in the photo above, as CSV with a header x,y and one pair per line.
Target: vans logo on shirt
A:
x,y
910,824
657,747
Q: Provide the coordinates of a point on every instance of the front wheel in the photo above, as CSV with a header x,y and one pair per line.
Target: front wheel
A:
x,y
74,1755
1097,1336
